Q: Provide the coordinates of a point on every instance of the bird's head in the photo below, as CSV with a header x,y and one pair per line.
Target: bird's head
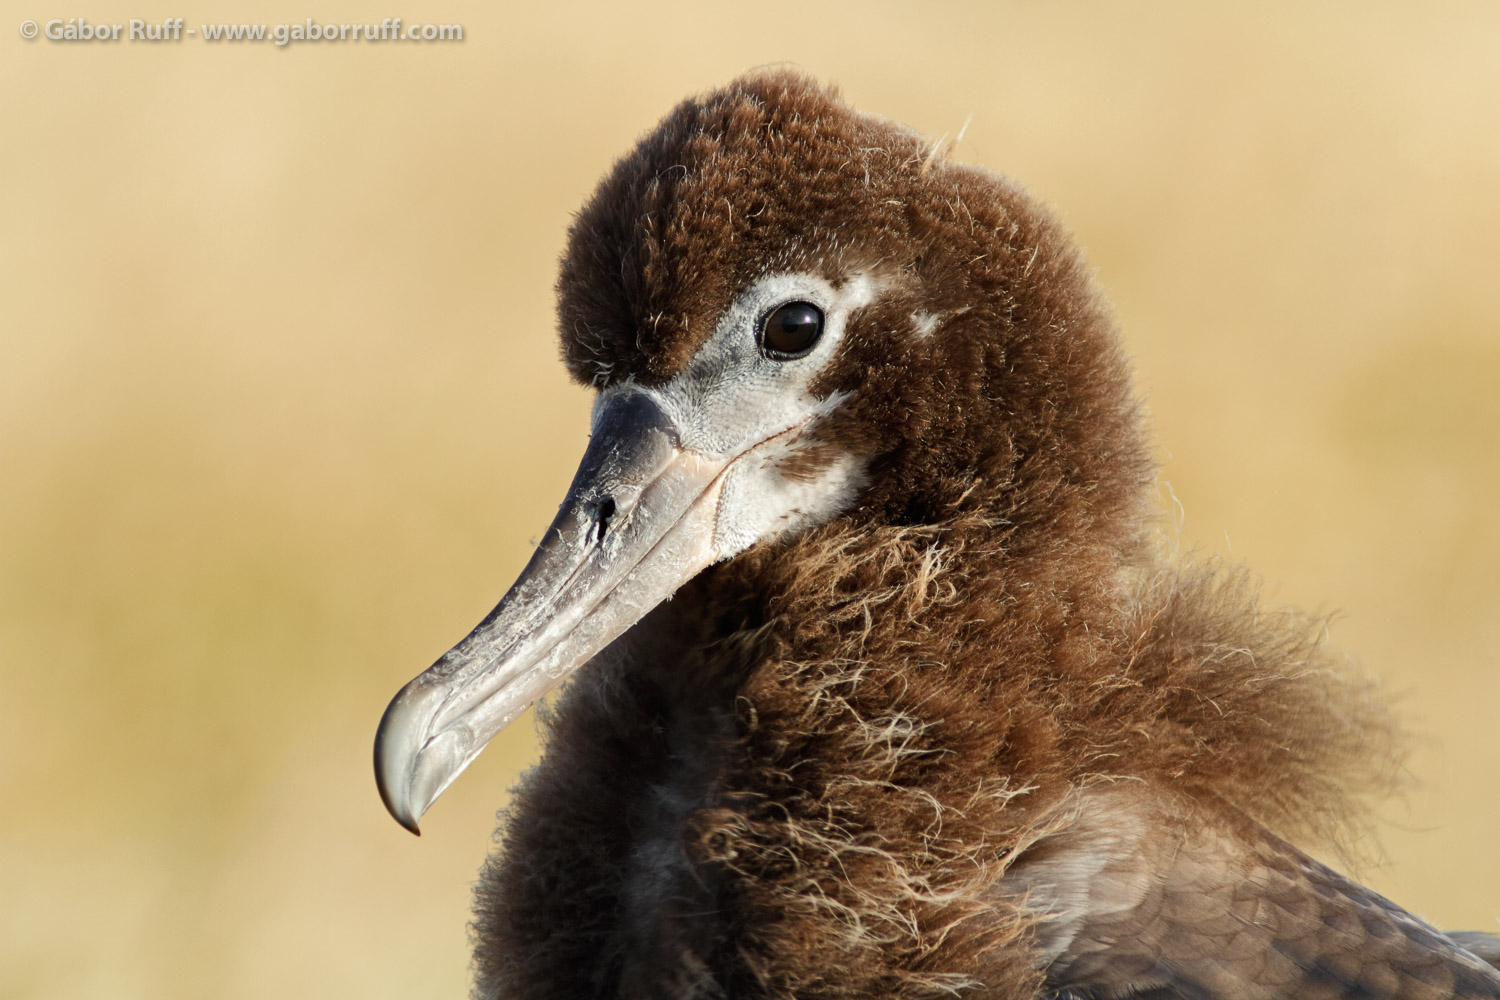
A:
x,y
791,313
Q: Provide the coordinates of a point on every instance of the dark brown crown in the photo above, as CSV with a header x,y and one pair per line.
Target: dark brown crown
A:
x,y
986,368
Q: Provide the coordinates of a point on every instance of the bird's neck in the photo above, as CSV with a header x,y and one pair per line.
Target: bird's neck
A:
x,y
855,590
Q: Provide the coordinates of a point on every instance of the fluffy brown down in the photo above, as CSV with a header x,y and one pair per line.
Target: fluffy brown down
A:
x,y
806,773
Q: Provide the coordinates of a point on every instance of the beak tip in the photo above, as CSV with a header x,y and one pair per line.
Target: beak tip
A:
x,y
397,748
395,803
399,806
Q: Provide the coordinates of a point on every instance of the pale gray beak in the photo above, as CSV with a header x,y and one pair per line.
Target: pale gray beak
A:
x,y
637,523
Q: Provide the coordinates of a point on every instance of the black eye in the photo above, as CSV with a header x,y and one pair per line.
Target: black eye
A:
x,y
791,330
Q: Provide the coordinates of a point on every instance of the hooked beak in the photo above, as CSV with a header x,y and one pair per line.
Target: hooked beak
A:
x,y
638,522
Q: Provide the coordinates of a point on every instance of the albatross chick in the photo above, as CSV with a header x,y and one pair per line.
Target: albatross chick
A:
x,y
884,684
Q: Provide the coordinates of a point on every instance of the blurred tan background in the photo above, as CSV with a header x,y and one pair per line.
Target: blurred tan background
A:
x,y
280,409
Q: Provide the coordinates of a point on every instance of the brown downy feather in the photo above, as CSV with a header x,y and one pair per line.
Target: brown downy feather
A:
x,y
807,774
850,811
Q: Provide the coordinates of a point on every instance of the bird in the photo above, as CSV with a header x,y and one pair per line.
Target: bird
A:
x,y
886,678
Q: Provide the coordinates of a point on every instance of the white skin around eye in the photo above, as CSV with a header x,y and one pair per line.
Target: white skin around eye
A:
x,y
732,402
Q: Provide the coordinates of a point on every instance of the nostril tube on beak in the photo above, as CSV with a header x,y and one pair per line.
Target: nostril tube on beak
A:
x,y
603,513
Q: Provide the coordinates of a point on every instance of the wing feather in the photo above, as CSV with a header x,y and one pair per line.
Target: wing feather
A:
x,y
1147,897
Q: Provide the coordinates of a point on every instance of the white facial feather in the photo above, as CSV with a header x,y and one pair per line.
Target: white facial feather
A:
x,y
733,402
924,323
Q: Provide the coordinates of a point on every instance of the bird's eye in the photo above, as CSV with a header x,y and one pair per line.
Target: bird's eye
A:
x,y
791,330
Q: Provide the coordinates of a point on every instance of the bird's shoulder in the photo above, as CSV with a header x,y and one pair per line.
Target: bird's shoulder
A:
x,y
1142,893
